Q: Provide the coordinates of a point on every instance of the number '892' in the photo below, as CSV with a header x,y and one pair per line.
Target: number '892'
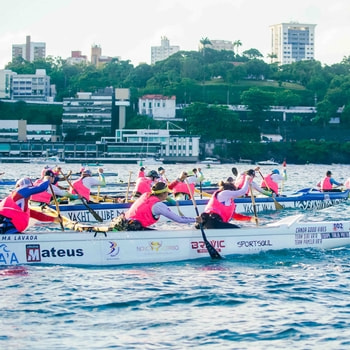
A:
x,y
338,226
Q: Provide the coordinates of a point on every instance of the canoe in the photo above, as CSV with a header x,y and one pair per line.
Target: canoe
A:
x,y
305,199
267,162
158,246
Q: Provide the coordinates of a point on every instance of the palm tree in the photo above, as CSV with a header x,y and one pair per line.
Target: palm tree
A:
x,y
205,41
237,44
271,56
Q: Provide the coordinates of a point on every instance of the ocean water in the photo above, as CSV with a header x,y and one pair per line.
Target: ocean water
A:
x,y
276,300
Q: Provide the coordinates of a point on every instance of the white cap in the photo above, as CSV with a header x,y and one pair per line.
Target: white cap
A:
x,y
24,182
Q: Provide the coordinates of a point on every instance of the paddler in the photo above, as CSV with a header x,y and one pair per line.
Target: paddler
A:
x,y
221,206
147,209
46,196
83,185
14,209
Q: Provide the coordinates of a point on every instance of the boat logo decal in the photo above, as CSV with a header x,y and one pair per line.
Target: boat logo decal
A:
x,y
6,256
114,249
35,254
201,248
155,245
253,244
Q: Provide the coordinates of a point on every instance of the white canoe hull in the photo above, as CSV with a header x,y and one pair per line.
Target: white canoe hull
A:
x,y
118,248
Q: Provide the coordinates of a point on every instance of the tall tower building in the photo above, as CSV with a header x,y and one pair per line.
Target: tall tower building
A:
x,y
30,51
160,53
96,53
292,42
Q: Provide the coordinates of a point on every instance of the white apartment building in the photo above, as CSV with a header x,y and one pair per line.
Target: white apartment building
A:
x,y
6,83
158,106
160,53
292,42
32,87
30,51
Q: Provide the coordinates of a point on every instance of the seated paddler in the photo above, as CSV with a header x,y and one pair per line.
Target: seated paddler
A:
x,y
15,211
221,206
147,210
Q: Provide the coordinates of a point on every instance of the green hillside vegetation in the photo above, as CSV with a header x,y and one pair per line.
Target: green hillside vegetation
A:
x,y
204,83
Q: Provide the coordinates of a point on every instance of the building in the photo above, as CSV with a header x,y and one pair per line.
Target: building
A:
x,y
32,87
20,130
88,114
30,51
219,45
77,58
138,144
6,83
96,56
160,53
292,42
158,106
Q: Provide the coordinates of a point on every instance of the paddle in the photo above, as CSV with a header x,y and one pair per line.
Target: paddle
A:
x,y
83,200
211,250
127,191
284,175
254,205
178,208
234,171
57,206
278,206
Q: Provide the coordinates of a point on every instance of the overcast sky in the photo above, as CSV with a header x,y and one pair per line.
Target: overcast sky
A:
x,y
128,29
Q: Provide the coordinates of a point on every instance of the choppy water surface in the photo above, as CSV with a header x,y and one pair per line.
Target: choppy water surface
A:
x,y
276,300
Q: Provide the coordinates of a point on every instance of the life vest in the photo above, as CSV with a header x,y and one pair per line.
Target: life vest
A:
x,y
143,185
10,209
268,182
326,183
181,187
42,197
240,182
80,188
225,211
141,210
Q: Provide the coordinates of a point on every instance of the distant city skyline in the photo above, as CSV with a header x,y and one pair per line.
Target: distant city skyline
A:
x,y
128,30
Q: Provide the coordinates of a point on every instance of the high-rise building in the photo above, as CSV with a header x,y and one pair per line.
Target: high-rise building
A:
x,y
30,51
292,42
96,53
160,53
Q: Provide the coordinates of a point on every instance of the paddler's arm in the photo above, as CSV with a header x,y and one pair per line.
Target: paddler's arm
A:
x,y
160,208
101,177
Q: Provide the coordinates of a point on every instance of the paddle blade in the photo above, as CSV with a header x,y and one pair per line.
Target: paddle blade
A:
x,y
278,206
214,254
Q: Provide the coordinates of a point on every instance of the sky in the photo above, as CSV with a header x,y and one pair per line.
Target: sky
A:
x,y
128,29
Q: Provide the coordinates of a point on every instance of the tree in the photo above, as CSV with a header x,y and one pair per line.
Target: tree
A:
x,y
271,56
252,53
205,41
257,101
237,44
